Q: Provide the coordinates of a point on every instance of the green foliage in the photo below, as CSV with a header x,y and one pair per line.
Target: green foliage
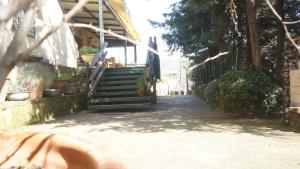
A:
x,y
63,76
63,73
141,81
87,50
33,73
196,24
83,74
241,93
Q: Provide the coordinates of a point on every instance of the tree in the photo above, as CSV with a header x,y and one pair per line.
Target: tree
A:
x,y
250,8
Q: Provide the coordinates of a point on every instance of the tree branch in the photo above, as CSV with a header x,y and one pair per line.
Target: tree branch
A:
x,y
284,25
209,59
97,29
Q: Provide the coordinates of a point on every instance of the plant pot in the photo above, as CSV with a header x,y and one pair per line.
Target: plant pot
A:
x,y
36,91
88,58
141,92
60,85
17,96
51,92
72,88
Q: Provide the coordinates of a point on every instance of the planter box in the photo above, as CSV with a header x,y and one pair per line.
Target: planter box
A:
x,y
22,113
60,85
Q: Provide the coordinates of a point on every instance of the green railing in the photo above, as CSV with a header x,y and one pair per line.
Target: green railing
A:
x,y
153,68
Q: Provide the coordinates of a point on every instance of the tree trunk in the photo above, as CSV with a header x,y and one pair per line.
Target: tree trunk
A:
x,y
4,71
280,43
253,33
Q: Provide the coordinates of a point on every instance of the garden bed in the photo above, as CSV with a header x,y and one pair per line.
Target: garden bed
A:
x,y
15,114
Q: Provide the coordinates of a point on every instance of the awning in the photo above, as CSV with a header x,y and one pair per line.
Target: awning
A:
x,y
115,16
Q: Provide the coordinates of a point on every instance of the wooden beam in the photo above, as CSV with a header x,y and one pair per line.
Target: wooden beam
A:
x,y
90,13
93,11
75,1
87,17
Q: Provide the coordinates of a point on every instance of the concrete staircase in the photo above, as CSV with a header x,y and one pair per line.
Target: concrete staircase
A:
x,y
118,90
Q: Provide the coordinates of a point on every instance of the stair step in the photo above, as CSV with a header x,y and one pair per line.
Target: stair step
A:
x,y
120,99
122,77
118,82
95,108
122,87
117,73
118,93
125,69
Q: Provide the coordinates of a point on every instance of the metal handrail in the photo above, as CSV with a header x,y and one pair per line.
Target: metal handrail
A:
x,y
100,64
99,55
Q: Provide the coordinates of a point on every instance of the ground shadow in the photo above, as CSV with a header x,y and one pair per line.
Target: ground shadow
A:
x,y
184,113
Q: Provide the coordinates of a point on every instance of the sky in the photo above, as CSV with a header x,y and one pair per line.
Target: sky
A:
x,y
141,11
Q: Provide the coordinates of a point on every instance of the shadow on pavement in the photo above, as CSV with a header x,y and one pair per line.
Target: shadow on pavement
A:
x,y
181,113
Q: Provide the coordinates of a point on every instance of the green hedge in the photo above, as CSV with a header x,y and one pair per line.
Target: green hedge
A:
x,y
240,93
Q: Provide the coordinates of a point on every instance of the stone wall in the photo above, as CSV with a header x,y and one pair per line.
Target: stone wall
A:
x,y
17,114
291,87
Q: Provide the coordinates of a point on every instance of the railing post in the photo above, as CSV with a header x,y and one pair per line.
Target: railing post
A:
x,y
135,54
125,52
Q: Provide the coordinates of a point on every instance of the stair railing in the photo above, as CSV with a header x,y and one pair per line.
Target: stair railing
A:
x,y
98,71
153,68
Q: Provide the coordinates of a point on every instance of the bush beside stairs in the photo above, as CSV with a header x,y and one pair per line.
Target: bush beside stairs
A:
x,y
118,90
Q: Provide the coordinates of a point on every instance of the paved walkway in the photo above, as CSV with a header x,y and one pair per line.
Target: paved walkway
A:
x,y
183,133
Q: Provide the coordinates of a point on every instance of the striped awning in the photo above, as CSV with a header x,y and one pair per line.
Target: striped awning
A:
x,y
115,17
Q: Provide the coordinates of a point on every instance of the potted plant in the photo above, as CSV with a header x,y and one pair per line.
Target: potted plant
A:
x,y
36,77
17,92
88,53
61,78
142,81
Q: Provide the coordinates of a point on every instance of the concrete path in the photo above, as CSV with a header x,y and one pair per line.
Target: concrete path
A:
x,y
183,133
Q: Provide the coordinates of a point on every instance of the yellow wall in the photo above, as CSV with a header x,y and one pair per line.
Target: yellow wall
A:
x,y
86,37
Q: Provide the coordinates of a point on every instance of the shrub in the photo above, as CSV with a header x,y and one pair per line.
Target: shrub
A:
x,y
87,50
241,93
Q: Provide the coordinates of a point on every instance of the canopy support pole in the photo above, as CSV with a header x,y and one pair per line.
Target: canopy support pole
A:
x,y
101,24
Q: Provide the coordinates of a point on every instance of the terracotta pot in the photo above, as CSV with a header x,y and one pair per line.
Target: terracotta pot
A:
x,y
49,151
36,91
141,92
60,84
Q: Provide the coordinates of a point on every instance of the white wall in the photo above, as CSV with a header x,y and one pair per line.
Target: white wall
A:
x,y
61,47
